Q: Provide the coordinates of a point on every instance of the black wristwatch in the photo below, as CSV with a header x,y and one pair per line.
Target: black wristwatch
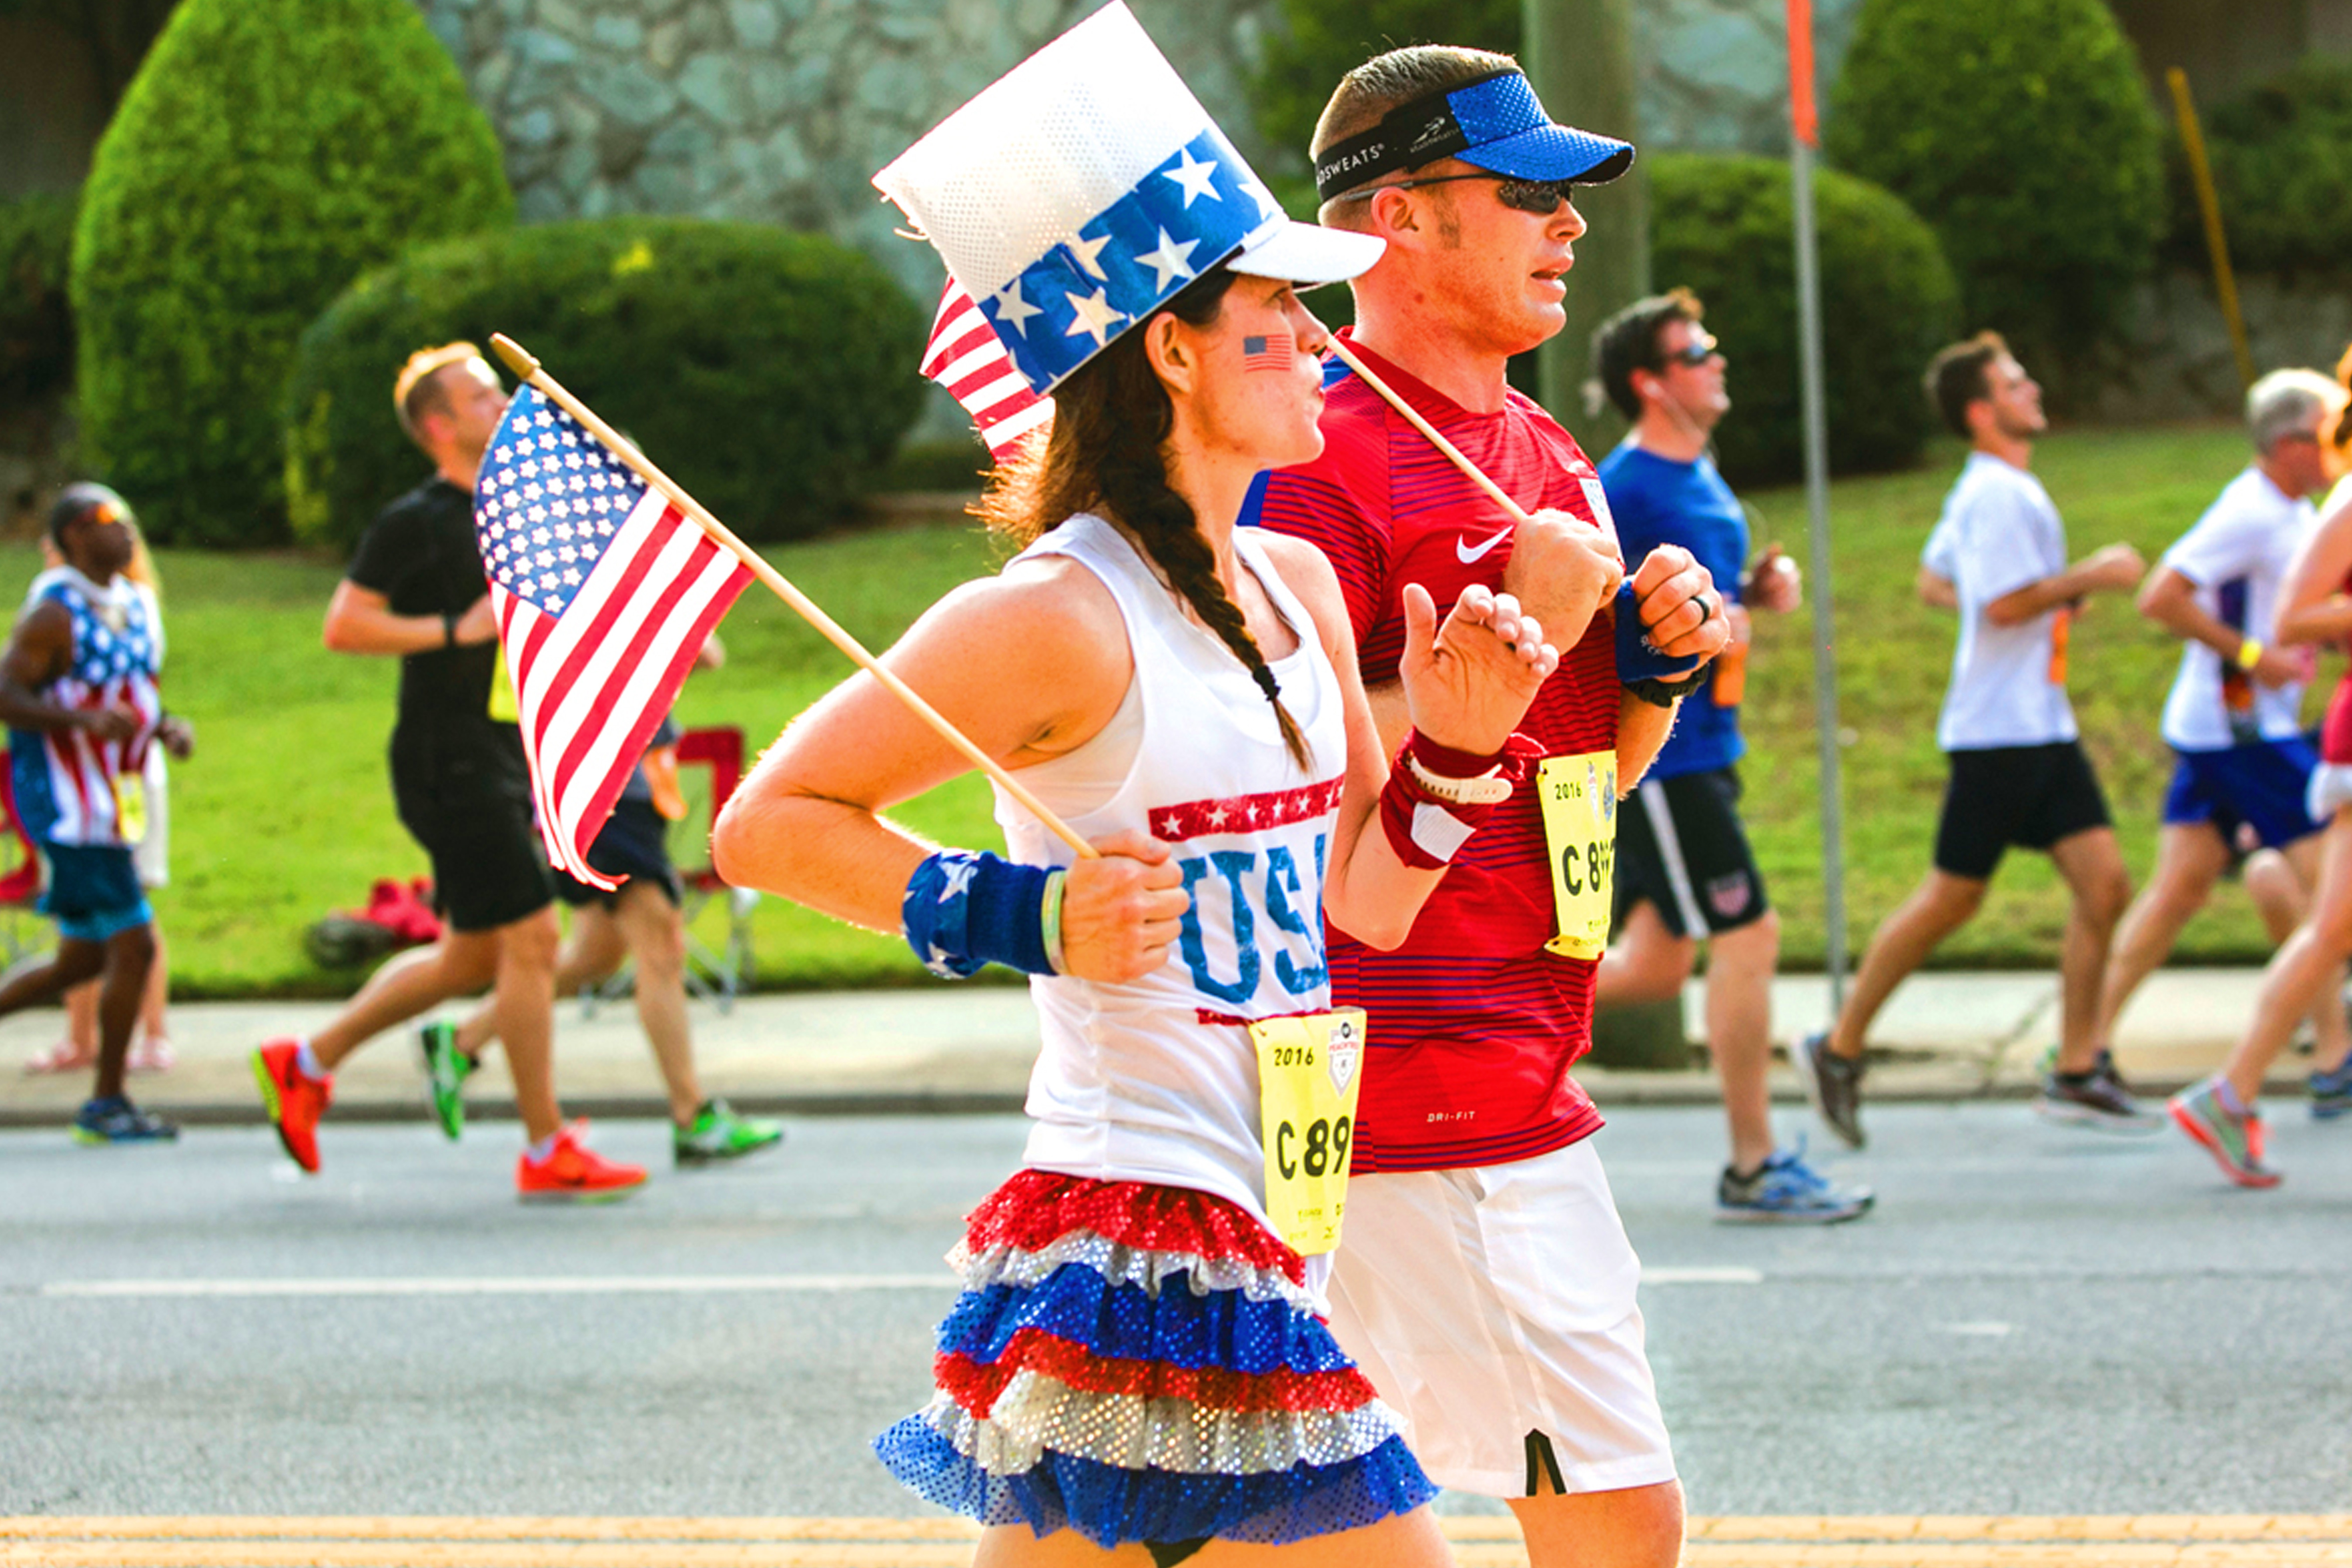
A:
x,y
1664,693
448,630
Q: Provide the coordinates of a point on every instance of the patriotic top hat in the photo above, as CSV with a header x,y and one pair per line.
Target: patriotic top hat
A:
x,y
1086,188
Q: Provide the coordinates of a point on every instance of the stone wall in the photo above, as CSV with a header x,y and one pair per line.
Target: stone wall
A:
x,y
2179,364
770,111
779,111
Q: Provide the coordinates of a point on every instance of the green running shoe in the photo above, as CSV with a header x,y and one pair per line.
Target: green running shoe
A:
x,y
718,1133
447,1069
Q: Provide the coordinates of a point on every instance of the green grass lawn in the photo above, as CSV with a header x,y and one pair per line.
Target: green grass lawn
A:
x,y
285,812
2143,486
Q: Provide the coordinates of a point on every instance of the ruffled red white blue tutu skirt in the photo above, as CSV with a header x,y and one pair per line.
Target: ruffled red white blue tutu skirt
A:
x,y
1144,1364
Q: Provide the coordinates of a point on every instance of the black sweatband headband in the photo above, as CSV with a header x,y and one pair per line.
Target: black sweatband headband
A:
x,y
1408,137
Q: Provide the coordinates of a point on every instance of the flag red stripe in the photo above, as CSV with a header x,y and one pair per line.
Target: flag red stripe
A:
x,y
535,636
621,633
510,608
608,790
581,646
639,621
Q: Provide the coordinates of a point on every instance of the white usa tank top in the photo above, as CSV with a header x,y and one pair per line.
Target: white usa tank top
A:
x,y
1156,1080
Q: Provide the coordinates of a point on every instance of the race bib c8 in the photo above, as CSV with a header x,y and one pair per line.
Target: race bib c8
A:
x,y
1309,1072
1579,813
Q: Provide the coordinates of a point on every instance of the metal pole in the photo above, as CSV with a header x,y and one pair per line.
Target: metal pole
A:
x,y
1817,505
1579,57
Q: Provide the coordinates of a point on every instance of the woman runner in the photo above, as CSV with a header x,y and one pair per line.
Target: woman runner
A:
x,y
2314,608
1138,1370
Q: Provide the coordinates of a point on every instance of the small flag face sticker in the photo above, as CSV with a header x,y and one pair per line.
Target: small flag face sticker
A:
x,y
1275,353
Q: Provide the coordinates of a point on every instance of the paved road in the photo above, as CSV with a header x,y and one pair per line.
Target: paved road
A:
x,y
2037,1322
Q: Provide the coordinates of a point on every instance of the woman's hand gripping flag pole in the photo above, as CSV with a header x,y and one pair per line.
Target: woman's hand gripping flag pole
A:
x,y
528,369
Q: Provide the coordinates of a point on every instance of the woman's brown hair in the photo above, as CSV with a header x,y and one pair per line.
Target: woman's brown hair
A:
x,y
1108,454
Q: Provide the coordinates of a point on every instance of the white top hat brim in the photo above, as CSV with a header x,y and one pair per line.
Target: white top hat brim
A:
x,y
1306,254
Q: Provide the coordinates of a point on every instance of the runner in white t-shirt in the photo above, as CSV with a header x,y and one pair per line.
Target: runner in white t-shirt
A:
x,y
2019,776
2235,716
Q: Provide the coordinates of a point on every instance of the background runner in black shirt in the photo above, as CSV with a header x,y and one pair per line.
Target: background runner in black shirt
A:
x,y
417,589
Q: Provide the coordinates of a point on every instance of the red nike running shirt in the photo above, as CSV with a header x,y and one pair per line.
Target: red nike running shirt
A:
x,y
1473,1025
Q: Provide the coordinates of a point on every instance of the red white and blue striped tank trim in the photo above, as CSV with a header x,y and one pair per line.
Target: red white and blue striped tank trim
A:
x,y
1141,1363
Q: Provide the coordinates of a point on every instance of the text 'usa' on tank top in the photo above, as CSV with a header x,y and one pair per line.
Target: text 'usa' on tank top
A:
x,y
1153,1080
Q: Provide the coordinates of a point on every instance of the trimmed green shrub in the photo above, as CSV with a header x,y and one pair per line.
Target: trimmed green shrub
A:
x,y
2022,131
1323,41
36,323
2282,157
1721,225
769,374
267,154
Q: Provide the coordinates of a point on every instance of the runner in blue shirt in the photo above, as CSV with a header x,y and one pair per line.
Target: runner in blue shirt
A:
x,y
1685,872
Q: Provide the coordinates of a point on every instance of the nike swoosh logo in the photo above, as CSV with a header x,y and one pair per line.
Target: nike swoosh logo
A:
x,y
1463,552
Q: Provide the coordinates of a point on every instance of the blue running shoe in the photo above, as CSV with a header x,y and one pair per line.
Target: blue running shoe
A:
x,y
116,1121
1785,1189
2331,1092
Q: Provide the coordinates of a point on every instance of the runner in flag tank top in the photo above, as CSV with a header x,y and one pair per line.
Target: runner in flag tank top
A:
x,y
1139,1356
1486,1284
2314,608
77,690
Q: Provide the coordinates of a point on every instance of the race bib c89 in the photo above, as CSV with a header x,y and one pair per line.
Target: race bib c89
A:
x,y
1309,1072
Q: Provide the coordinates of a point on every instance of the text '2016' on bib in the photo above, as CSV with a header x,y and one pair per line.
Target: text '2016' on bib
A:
x,y
1309,1070
1580,816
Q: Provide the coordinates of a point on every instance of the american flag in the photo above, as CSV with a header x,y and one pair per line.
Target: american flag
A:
x,y
966,358
1276,352
604,593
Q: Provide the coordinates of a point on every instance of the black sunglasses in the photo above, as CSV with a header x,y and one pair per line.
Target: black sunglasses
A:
x,y
1541,197
1694,353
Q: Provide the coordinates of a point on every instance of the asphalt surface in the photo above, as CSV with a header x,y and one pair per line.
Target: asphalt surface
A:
x,y
2036,1320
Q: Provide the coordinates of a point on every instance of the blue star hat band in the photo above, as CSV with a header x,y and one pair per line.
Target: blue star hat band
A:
x,y
1086,188
1495,123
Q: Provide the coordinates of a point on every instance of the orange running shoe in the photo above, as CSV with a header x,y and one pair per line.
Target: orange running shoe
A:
x,y
294,1100
574,1173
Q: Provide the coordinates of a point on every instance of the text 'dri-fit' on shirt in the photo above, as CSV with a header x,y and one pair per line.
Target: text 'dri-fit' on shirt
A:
x,y
1472,1023
2237,556
2000,533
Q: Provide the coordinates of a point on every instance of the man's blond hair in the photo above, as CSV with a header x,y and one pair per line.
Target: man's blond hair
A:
x,y
1390,81
417,390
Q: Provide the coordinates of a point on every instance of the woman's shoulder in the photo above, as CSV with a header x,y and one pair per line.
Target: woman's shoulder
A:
x,y
1306,572
1043,600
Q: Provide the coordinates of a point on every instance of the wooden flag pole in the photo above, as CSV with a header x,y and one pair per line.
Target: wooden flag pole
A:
x,y
523,365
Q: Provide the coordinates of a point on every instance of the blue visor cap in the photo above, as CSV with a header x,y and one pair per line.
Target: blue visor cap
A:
x,y
1495,123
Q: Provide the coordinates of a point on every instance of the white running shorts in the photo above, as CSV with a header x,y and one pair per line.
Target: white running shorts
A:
x,y
1494,1308
2329,792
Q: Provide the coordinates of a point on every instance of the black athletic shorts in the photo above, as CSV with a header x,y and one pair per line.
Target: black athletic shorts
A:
x,y
472,814
2030,797
1680,846
635,843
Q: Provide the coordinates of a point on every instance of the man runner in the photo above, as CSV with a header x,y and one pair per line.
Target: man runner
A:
x,y
1685,872
417,588
1486,1284
2019,774
2234,718
78,691
642,921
